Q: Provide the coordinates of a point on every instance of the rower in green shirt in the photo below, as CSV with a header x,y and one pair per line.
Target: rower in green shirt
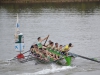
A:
x,y
40,46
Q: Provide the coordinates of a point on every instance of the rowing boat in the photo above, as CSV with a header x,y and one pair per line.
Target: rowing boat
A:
x,y
63,59
67,59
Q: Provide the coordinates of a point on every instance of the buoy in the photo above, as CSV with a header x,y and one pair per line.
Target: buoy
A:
x,y
19,41
19,45
20,56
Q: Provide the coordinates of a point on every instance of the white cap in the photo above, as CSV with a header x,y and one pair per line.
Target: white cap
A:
x,y
21,34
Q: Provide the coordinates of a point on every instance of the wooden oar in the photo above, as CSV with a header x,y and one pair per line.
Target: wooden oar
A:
x,y
26,52
45,41
76,55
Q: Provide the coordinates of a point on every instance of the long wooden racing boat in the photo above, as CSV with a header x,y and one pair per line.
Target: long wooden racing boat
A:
x,y
63,59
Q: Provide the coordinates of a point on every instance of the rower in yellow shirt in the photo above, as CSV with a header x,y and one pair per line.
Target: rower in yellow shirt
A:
x,y
66,49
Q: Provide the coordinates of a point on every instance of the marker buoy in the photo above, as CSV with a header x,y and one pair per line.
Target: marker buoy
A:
x,y
20,56
19,41
19,44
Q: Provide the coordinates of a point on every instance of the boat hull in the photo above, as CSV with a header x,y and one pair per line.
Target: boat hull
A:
x,y
63,60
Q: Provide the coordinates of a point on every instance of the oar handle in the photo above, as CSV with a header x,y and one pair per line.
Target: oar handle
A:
x,y
46,41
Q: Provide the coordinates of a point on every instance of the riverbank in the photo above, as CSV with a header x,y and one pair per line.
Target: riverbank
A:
x,y
45,1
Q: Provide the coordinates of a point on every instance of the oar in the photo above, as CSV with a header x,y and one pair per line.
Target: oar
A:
x,y
26,52
16,56
76,55
45,41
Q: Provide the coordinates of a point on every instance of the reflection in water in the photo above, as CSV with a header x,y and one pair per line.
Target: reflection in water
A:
x,y
88,7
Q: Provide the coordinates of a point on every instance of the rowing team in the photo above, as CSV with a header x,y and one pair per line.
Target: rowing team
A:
x,y
41,51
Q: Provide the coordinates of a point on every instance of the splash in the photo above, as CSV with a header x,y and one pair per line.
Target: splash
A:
x,y
53,69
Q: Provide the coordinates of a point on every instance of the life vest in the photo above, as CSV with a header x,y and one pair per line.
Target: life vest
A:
x,y
66,48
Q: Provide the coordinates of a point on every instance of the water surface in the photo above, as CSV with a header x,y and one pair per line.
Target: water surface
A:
x,y
77,23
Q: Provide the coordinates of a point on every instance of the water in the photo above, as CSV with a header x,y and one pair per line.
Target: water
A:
x,y
77,23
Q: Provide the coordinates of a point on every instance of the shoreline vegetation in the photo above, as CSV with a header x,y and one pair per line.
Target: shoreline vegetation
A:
x,y
45,1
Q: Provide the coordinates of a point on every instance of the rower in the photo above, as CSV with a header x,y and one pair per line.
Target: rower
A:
x,y
60,48
57,49
51,45
66,49
48,43
40,42
34,50
54,56
56,46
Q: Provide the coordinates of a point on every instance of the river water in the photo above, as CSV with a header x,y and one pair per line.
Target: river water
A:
x,y
76,23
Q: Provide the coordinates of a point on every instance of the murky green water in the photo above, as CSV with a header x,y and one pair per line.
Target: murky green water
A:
x,y
77,23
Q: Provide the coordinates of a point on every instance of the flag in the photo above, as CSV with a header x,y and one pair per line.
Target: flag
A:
x,y
17,25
